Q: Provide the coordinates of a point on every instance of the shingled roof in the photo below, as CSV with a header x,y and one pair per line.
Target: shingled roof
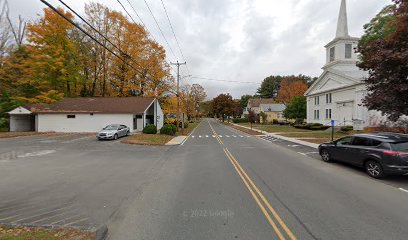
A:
x,y
255,102
133,105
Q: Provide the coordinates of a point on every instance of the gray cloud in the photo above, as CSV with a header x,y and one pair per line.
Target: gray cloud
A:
x,y
241,40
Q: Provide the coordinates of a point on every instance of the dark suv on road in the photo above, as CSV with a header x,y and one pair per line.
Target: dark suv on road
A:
x,y
379,153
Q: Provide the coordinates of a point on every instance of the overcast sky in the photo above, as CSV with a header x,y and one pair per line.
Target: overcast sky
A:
x,y
239,40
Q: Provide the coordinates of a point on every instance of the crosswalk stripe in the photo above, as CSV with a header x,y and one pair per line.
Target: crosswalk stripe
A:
x,y
206,136
200,136
234,136
213,136
220,136
227,136
193,136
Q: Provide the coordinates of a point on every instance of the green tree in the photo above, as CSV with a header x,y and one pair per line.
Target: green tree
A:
x,y
270,87
383,53
263,117
244,101
296,109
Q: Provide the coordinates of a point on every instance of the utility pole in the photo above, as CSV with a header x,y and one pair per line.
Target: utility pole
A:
x,y
178,92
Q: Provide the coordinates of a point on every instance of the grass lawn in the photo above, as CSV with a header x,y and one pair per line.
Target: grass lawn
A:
x,y
248,131
148,139
22,233
274,128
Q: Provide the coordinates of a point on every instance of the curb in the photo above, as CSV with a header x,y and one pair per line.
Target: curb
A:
x,y
101,232
312,145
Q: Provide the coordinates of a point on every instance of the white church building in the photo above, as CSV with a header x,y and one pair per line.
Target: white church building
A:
x,y
338,93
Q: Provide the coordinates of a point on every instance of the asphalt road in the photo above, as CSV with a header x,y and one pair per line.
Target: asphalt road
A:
x,y
222,185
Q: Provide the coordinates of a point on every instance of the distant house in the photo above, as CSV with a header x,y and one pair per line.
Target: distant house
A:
x,y
267,105
273,111
255,103
87,114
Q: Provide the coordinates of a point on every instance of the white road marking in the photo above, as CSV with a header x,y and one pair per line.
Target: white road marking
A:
x,y
302,153
200,136
220,136
193,136
40,214
34,154
404,190
293,145
213,136
241,136
227,136
206,136
234,136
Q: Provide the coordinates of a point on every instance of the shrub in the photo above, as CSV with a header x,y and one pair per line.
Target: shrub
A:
x,y
150,129
240,120
275,121
186,125
4,123
168,129
311,126
346,128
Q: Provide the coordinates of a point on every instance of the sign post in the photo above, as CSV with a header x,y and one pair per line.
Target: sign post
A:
x,y
332,125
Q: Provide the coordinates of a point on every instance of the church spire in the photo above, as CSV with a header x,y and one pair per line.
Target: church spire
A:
x,y
342,25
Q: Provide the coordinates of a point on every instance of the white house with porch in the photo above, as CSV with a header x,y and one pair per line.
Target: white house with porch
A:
x,y
87,114
338,93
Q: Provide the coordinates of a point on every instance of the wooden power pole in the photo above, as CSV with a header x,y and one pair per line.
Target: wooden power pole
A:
x,y
178,92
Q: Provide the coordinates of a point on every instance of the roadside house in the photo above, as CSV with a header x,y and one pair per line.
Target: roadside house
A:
x,y
255,103
87,114
273,111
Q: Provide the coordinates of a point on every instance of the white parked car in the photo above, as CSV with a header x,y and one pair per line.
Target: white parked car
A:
x,y
113,131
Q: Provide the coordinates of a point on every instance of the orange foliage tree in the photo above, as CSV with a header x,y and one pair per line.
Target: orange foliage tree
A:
x,y
290,89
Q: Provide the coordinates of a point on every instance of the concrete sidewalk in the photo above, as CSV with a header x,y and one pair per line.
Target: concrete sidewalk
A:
x,y
177,141
294,140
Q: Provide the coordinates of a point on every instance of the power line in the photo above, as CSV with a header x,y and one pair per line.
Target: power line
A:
x,y
144,25
222,80
158,26
174,34
94,39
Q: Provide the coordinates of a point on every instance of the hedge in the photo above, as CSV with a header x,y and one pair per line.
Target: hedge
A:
x,y
347,128
312,126
150,129
168,129
240,120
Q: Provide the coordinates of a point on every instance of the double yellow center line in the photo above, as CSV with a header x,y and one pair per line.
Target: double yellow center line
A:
x,y
259,198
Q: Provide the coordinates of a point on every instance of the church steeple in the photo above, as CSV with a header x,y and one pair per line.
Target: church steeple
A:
x,y
342,24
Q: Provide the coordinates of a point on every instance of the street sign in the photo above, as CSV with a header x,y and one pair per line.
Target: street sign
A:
x,y
332,122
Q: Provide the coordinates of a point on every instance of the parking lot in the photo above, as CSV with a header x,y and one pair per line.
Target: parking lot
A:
x,y
71,180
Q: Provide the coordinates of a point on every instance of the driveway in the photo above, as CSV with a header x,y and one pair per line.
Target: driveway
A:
x,y
71,180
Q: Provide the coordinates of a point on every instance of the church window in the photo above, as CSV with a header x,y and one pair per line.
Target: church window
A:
x,y
329,98
348,50
332,54
328,113
316,114
317,100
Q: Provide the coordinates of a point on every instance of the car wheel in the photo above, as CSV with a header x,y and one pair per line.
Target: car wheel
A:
x,y
374,169
325,155
115,137
127,133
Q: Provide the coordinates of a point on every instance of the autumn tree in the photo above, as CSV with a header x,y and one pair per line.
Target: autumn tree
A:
x,y
288,90
191,97
222,106
296,109
383,53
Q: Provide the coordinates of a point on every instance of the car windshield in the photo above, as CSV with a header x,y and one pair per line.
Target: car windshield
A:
x,y
400,147
111,127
